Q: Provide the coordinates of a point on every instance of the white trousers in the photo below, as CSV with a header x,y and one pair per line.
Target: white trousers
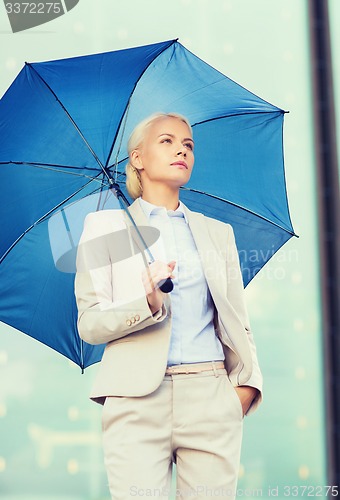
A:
x,y
194,420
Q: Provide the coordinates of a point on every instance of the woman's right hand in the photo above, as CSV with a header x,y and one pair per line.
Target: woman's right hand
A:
x,y
151,276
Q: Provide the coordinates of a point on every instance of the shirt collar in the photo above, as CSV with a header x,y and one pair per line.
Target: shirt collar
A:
x,y
149,209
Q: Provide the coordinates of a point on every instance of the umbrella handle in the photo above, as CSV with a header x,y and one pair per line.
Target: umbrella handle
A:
x,y
166,286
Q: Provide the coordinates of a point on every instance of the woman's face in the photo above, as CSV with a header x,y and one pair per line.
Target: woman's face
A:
x,y
167,153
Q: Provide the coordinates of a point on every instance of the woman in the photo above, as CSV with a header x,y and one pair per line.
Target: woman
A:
x,y
180,370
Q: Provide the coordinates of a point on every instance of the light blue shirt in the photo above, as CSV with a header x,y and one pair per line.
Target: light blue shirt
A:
x,y
193,337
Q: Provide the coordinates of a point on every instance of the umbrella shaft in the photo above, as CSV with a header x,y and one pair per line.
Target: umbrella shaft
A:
x,y
125,205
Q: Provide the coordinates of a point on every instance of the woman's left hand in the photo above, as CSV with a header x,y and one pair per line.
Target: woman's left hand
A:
x,y
246,395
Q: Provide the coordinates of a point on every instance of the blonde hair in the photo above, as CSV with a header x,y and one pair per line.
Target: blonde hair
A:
x,y
133,178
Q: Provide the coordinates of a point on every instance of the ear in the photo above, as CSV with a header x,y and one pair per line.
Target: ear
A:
x,y
136,159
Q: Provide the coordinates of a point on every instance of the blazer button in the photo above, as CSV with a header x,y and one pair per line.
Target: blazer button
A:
x,y
137,317
128,322
133,320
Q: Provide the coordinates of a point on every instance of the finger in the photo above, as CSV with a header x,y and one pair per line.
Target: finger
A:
x,y
148,286
158,271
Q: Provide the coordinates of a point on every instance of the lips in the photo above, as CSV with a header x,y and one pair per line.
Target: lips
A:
x,y
179,164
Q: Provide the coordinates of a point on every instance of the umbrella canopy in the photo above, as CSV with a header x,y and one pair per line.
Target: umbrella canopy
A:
x,y
64,126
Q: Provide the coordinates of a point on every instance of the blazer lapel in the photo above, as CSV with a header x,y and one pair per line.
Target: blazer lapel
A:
x,y
140,220
137,214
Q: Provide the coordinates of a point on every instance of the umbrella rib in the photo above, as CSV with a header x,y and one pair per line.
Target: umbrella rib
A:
x,y
47,166
43,342
235,205
119,174
37,164
71,120
231,203
131,94
231,80
276,112
42,218
240,206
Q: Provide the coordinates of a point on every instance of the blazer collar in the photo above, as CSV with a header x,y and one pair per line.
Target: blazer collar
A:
x,y
149,208
195,219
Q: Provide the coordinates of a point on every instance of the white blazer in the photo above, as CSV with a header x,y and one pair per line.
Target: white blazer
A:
x,y
113,309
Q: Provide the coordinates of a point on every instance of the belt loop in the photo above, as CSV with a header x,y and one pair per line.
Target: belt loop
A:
x,y
214,368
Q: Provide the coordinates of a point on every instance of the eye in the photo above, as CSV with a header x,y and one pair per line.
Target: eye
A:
x,y
189,145
168,140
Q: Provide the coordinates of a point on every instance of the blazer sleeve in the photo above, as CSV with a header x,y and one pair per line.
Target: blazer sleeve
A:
x,y
101,317
236,297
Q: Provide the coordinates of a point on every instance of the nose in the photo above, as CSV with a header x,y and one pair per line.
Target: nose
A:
x,y
182,151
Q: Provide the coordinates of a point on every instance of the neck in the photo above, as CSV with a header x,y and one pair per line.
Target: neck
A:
x,y
161,197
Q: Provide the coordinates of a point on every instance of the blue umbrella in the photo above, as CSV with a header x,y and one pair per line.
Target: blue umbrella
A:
x,y
64,127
